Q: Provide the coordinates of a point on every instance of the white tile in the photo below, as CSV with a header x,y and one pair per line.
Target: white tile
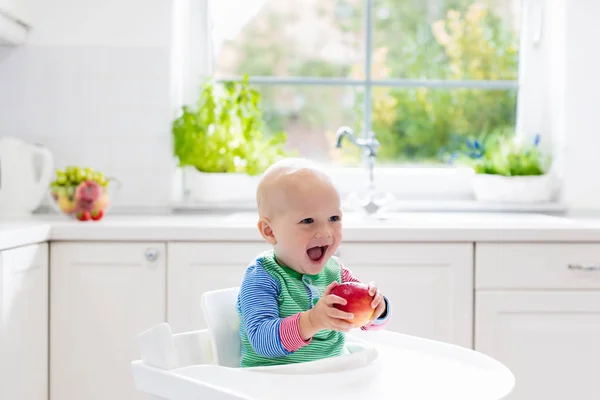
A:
x,y
49,108
8,124
97,122
82,153
96,62
139,153
141,123
141,63
13,61
128,93
143,188
133,93
95,104
156,94
106,108
59,62
109,23
97,93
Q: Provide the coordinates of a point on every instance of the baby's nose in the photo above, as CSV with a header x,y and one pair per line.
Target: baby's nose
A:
x,y
323,233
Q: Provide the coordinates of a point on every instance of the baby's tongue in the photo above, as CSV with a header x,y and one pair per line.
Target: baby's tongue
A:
x,y
315,253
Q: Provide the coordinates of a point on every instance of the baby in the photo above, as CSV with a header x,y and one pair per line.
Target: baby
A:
x,y
285,307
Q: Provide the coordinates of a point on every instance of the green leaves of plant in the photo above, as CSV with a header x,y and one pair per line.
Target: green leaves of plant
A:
x,y
225,132
503,154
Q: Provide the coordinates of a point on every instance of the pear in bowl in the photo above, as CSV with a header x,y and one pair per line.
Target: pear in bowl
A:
x,y
81,193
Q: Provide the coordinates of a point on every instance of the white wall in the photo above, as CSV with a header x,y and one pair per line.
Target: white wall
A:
x,y
114,23
94,85
582,101
570,111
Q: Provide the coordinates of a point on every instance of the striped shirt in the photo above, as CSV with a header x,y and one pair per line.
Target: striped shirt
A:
x,y
269,304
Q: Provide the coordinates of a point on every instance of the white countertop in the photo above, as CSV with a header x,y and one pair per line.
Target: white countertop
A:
x,y
399,227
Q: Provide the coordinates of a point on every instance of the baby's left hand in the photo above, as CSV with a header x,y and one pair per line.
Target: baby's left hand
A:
x,y
378,303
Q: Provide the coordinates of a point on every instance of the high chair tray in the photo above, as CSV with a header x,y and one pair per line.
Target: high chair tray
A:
x,y
382,365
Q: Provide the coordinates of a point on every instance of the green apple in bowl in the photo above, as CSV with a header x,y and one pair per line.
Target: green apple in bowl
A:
x,y
82,193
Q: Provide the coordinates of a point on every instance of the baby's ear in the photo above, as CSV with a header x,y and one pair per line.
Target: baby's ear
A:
x,y
264,227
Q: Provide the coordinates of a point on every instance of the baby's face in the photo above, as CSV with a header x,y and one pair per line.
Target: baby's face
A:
x,y
308,229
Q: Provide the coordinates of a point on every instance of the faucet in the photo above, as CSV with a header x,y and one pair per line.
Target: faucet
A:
x,y
369,146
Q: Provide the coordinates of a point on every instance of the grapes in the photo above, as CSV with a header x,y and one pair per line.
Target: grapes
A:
x,y
73,176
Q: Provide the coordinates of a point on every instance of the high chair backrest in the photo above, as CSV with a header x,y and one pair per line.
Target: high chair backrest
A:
x,y
223,323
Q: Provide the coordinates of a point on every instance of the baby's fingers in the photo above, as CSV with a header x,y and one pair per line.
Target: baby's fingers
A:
x,y
332,299
329,288
372,288
341,325
338,314
377,300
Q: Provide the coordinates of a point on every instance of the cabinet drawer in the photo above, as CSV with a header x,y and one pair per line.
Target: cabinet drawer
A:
x,y
537,266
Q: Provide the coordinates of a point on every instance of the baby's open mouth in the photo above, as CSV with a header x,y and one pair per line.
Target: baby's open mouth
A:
x,y
316,253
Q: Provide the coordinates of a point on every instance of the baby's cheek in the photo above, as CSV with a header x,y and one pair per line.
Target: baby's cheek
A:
x,y
337,232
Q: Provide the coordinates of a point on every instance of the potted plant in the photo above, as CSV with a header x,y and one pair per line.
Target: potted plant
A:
x,y
509,169
221,145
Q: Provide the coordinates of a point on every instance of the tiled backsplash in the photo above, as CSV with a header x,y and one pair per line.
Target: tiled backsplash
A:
x,y
104,107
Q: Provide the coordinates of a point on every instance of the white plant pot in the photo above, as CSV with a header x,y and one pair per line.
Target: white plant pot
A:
x,y
217,187
514,189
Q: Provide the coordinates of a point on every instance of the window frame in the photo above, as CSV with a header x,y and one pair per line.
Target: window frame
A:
x,y
194,52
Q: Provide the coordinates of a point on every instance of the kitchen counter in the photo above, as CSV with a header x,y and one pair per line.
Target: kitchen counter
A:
x,y
401,227
20,233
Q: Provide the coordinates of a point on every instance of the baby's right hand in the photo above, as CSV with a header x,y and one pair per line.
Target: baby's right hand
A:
x,y
325,316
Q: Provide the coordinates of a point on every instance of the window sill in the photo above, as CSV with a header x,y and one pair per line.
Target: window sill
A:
x,y
415,189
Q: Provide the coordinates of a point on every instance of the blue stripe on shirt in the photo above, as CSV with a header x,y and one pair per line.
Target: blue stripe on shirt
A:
x,y
385,316
257,301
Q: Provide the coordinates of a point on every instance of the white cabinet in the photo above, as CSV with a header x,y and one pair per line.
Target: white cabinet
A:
x,y
102,295
429,285
549,339
538,312
195,268
24,323
519,266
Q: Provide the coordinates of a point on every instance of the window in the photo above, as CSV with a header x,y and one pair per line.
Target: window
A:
x,y
418,73
421,74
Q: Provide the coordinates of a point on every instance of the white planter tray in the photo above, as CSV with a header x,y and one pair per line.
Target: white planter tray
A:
x,y
514,189
218,188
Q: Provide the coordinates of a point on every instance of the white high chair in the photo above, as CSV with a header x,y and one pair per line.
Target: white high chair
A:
x,y
383,365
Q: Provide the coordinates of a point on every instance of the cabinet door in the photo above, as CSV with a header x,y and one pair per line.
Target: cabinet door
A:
x,y
429,285
550,341
195,268
24,323
102,296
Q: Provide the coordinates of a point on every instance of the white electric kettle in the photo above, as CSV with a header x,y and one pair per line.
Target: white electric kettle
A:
x,y
22,188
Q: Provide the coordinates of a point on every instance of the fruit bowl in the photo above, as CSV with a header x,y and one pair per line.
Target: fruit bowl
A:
x,y
82,193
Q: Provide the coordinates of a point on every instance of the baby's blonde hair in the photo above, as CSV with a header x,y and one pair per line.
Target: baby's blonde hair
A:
x,y
278,175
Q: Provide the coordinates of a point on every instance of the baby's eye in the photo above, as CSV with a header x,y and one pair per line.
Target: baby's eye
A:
x,y
307,221
334,218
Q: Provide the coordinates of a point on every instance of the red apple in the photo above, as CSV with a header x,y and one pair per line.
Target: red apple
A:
x,y
358,301
97,215
83,215
88,191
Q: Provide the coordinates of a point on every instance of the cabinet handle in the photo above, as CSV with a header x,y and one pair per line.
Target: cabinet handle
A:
x,y
592,267
151,254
